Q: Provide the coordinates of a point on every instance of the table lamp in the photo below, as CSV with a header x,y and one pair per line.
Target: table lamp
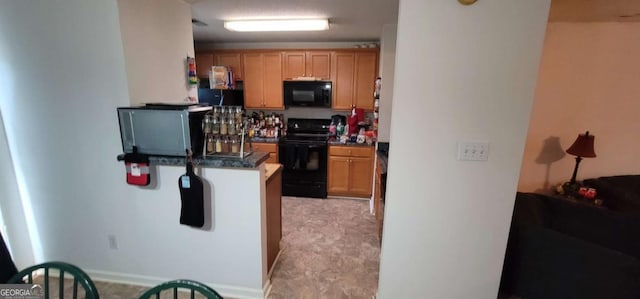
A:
x,y
581,148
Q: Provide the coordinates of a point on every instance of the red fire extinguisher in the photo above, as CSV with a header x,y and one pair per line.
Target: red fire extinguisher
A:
x,y
137,166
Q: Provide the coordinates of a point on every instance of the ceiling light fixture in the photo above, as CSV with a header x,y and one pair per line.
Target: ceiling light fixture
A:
x,y
277,25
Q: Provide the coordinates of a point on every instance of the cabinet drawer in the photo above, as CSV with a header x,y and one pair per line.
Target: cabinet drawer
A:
x,y
351,151
265,147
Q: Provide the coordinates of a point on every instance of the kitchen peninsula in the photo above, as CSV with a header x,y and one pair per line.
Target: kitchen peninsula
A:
x,y
239,231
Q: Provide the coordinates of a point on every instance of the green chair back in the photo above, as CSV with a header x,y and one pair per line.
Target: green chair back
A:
x,y
79,277
192,286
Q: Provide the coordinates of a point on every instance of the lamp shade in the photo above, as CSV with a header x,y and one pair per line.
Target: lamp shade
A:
x,y
583,146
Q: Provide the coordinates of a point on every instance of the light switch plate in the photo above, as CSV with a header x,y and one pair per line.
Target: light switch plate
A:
x,y
473,151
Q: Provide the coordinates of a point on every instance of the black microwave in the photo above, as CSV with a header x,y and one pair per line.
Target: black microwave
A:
x,y
307,93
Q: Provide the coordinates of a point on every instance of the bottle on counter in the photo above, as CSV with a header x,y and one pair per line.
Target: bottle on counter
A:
x,y
223,126
210,144
231,126
340,128
235,145
218,144
215,126
226,146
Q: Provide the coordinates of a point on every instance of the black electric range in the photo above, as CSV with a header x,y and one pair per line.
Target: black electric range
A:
x,y
303,153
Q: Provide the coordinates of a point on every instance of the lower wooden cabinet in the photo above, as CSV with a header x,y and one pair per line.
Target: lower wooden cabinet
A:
x,y
271,148
274,216
350,171
378,205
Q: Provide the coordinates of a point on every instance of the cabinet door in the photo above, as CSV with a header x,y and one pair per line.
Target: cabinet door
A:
x,y
319,64
365,76
360,176
232,60
338,175
253,83
343,64
204,62
272,78
294,65
274,217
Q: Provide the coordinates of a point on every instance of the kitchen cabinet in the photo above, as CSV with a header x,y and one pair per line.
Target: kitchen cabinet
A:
x,y
262,72
315,64
273,211
350,170
230,59
378,204
204,62
271,148
353,74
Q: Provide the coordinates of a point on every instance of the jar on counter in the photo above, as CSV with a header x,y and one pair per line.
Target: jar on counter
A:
x,y
224,130
238,114
218,144
207,123
216,111
231,126
226,145
211,146
235,145
215,126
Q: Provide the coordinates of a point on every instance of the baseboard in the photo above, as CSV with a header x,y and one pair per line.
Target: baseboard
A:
x,y
227,291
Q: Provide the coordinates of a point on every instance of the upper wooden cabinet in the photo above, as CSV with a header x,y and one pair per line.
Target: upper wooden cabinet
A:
x,y
204,62
307,64
262,80
232,60
353,74
366,73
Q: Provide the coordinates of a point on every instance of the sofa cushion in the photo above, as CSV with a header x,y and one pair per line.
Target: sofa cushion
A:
x,y
595,224
531,209
620,193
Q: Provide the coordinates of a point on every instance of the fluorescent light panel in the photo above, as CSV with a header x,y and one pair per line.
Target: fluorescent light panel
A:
x,y
278,25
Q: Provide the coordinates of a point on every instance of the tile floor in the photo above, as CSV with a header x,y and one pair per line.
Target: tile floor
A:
x,y
329,249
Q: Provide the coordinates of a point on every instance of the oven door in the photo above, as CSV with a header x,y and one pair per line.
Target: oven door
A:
x,y
304,168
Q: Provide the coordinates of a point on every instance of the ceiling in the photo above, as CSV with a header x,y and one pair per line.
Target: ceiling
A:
x,y
595,11
350,20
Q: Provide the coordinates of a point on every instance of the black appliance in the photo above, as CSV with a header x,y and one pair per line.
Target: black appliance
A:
x,y
162,129
307,93
221,97
303,153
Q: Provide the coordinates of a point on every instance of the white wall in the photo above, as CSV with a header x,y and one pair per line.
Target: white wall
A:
x,y
62,133
387,72
462,73
157,37
12,217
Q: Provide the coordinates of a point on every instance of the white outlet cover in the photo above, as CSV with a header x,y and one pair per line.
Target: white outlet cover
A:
x,y
473,151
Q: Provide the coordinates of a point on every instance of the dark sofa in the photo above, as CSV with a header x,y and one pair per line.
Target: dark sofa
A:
x,y
620,193
563,249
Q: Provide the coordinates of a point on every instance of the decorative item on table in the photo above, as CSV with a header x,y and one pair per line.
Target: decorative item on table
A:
x,y
581,148
191,71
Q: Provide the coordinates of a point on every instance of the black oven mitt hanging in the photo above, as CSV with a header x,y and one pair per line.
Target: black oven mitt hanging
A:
x,y
192,198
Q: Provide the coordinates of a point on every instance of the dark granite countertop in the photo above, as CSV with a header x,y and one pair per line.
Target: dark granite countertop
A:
x,y
251,161
265,139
